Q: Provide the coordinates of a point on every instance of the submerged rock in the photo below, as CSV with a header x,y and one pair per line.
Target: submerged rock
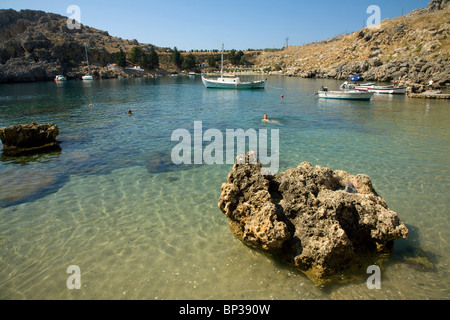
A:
x,y
29,138
26,184
322,220
158,161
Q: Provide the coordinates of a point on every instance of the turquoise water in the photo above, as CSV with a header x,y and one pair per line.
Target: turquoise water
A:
x,y
139,227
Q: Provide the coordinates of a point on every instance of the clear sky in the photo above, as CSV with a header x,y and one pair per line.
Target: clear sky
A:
x,y
239,24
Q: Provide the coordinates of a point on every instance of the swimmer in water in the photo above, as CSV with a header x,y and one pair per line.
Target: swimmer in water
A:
x,y
265,119
129,112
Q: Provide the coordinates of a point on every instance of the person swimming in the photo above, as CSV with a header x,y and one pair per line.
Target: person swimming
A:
x,y
129,113
265,119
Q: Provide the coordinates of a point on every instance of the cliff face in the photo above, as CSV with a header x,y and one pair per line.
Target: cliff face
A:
x,y
35,45
413,49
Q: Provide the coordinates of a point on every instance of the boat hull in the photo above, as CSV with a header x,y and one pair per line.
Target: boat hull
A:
x,y
382,90
346,95
87,78
237,85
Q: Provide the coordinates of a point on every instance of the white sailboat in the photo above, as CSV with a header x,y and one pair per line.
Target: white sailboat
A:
x,y
231,82
87,76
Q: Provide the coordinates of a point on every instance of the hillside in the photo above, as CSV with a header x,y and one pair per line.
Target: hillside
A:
x,y
35,45
413,48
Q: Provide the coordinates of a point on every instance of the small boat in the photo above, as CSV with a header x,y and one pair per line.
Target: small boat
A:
x,y
382,89
352,86
231,82
87,76
135,68
191,74
60,78
346,95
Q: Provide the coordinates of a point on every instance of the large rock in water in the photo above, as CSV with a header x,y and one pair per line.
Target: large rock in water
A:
x,y
320,219
28,138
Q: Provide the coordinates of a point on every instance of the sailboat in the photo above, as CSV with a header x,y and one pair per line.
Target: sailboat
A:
x,y
88,76
231,82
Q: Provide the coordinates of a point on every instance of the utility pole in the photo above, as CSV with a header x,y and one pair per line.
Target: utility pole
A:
x,y
287,42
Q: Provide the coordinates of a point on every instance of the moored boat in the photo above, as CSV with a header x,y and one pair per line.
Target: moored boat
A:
x,y
135,68
346,95
88,75
60,78
382,89
232,83
224,82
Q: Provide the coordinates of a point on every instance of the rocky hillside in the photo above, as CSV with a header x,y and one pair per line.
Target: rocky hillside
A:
x,y
35,45
413,48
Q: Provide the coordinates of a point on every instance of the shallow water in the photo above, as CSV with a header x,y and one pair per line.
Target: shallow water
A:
x,y
139,227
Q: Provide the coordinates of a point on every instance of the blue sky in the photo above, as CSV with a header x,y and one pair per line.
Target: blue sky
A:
x,y
240,24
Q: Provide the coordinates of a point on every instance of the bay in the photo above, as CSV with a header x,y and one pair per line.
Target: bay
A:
x,y
139,227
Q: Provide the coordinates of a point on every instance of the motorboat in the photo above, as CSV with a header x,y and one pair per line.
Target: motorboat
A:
x,y
382,89
352,86
346,95
231,82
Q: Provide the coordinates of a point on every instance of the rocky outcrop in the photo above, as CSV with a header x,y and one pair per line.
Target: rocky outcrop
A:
x,y
322,220
28,138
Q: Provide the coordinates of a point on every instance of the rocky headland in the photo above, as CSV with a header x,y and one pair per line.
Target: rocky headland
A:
x,y
411,50
37,46
326,222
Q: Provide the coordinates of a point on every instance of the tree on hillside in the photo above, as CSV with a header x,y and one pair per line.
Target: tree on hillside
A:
x,y
177,59
136,55
212,60
235,57
121,59
151,59
189,62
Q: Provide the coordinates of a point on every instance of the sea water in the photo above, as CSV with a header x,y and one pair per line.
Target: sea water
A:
x,y
137,226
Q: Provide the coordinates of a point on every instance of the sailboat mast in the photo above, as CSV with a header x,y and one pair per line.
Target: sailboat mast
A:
x,y
221,67
87,59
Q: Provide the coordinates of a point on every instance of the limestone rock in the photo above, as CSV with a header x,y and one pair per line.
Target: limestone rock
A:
x,y
320,219
25,138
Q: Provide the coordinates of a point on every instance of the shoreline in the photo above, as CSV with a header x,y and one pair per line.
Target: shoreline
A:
x,y
105,74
